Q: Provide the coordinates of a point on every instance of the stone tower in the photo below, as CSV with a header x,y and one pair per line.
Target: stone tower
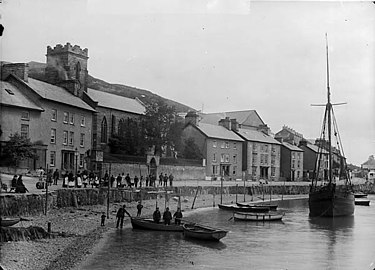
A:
x,y
67,67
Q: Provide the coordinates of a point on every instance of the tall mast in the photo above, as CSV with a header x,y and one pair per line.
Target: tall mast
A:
x,y
329,108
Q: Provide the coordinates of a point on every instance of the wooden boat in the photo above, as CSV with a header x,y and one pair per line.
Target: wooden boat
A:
x,y
330,200
360,195
364,202
149,224
270,206
7,221
234,207
269,216
203,232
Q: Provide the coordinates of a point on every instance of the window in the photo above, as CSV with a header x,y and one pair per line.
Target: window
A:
x,y
227,158
65,137
52,159
293,166
273,171
226,144
10,92
255,158
54,115
82,140
273,149
25,115
234,170
113,124
214,159
81,159
71,119
215,169
83,121
254,171
266,148
53,135
234,145
273,160
222,158
24,131
234,158
222,144
71,138
298,164
103,137
66,117
214,144
255,147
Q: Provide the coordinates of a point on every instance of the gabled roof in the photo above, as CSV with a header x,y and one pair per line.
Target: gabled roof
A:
x,y
245,118
56,93
369,162
315,148
116,102
10,95
217,132
291,147
256,136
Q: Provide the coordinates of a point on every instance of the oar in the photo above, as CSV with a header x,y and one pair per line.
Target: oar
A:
x,y
231,217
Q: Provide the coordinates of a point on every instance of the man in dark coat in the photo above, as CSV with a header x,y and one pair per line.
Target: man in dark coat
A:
x,y
156,215
56,175
167,216
178,216
120,216
139,209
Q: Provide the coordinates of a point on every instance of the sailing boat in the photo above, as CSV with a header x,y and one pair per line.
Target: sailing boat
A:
x,y
330,199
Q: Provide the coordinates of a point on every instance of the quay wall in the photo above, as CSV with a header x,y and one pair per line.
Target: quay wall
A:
x,y
34,204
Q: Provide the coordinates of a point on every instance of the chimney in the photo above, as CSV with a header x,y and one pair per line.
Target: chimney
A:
x,y
264,128
20,70
192,117
303,143
234,124
73,86
225,123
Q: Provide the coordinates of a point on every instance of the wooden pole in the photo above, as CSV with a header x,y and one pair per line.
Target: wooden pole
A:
x,y
109,181
221,188
46,192
262,192
244,186
270,193
236,192
196,193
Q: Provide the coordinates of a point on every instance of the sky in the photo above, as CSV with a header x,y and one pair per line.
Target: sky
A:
x,y
220,55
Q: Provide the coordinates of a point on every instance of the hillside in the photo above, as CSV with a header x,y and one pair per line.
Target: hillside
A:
x,y
36,71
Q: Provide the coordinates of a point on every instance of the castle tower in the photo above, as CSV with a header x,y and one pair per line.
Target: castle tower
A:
x,y
67,67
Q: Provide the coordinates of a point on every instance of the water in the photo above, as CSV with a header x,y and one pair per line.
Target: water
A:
x,y
298,242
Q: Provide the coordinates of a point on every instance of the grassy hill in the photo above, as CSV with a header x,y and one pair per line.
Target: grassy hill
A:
x,y
36,71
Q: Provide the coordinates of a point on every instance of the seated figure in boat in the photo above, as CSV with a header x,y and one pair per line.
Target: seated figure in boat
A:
x,y
167,216
156,215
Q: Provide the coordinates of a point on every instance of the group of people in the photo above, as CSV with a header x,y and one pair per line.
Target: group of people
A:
x,y
163,180
167,216
17,184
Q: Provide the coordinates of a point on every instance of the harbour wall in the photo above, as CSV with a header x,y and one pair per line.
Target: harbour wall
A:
x,y
34,204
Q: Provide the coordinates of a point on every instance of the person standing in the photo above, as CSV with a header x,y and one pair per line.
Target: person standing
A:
x,y
102,219
120,216
128,182
177,216
112,180
171,180
165,178
56,176
141,181
139,209
136,180
161,179
156,215
147,180
167,216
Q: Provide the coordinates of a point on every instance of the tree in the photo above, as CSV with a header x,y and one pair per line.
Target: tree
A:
x,y
191,149
18,148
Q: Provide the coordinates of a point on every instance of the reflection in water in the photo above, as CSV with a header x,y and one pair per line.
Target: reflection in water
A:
x,y
298,242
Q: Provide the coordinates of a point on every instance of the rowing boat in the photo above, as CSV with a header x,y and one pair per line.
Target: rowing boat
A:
x,y
203,232
234,207
7,221
149,224
364,202
269,205
270,216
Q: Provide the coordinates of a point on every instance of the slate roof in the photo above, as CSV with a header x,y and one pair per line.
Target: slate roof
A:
x,y
117,102
57,94
218,132
291,147
369,162
247,117
17,99
256,136
315,148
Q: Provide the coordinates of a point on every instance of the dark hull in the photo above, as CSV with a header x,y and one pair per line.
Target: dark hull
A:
x,y
270,216
326,202
6,222
267,206
248,208
362,202
149,224
203,232
360,195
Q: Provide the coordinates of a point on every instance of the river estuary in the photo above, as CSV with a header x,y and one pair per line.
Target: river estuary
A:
x,y
298,242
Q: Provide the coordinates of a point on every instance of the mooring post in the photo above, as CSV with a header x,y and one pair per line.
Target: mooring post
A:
x,y
49,227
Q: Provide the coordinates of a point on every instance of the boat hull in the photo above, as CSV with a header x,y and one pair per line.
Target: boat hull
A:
x,y
248,208
331,203
6,222
362,202
270,216
149,224
267,206
203,232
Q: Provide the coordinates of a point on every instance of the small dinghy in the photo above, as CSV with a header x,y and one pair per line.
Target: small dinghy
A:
x,y
364,202
235,207
203,232
271,207
269,216
8,221
149,224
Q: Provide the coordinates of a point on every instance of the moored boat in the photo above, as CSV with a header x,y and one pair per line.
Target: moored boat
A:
x,y
269,216
330,199
203,232
234,207
360,195
149,224
270,206
8,221
364,202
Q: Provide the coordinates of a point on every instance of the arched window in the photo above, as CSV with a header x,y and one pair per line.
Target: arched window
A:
x,y
78,71
103,137
113,125
121,127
